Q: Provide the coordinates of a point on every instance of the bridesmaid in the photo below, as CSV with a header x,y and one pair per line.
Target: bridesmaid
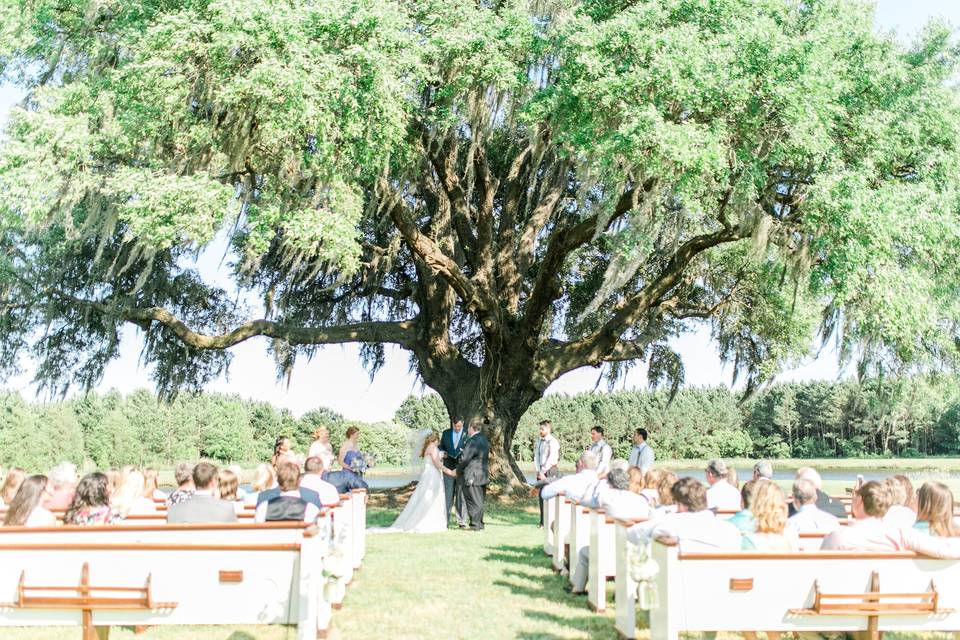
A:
x,y
350,444
321,447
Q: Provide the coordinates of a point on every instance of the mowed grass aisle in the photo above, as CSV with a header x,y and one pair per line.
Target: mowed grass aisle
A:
x,y
461,584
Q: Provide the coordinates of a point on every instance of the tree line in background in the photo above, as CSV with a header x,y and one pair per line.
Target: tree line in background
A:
x,y
903,417
906,417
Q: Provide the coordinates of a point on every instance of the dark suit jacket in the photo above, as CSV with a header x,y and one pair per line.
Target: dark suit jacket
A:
x,y
453,453
201,509
826,503
345,481
307,495
472,469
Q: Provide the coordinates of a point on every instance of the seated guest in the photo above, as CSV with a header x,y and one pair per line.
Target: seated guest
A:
x,y
574,485
287,505
619,502
733,478
694,527
203,506
312,479
935,511
91,502
869,533
264,478
651,484
306,494
824,502
237,471
344,480
62,484
151,478
132,499
809,518
721,496
763,470
26,509
593,495
902,511
743,520
769,508
227,484
11,484
184,477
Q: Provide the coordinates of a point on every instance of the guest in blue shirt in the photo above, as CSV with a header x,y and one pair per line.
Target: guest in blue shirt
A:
x,y
743,519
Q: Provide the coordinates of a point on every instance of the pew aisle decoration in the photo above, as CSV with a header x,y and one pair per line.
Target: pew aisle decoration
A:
x,y
644,570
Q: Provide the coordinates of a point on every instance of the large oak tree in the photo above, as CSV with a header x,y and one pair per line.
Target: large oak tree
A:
x,y
507,190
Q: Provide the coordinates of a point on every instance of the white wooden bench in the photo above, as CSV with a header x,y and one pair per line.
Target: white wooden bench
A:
x,y
796,592
561,531
579,539
549,515
603,559
150,583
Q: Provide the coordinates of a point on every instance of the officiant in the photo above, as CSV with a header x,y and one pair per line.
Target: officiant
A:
x,y
451,444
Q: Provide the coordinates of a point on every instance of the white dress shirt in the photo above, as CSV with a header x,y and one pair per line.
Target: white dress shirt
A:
x,y
329,496
602,450
546,454
723,496
571,486
900,516
694,530
811,519
641,456
625,505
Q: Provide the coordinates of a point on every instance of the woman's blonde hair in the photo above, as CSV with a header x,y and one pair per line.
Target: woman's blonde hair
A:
x,y
636,479
151,482
431,438
263,477
769,507
319,431
664,487
935,505
228,483
11,484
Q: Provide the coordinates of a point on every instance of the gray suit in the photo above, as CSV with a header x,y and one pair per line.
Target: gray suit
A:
x,y
202,509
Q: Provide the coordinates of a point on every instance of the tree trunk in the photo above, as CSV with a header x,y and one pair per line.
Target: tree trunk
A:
x,y
499,412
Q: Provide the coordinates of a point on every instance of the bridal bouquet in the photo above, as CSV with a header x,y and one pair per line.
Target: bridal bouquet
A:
x,y
358,462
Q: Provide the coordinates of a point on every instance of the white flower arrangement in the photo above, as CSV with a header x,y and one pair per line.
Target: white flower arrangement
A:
x,y
644,569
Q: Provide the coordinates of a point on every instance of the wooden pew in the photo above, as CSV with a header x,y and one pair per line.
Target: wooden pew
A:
x,y
603,560
359,499
549,515
561,531
625,587
579,538
800,592
98,584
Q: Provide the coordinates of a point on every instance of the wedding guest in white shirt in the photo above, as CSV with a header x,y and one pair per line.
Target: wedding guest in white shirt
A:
x,y
574,485
618,502
593,495
869,533
312,479
641,455
601,449
903,510
809,518
763,470
721,496
694,527
546,457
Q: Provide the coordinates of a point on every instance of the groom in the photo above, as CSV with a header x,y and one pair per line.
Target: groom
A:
x,y
472,473
451,444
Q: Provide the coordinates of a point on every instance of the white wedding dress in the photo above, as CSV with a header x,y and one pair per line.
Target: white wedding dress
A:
x,y
426,510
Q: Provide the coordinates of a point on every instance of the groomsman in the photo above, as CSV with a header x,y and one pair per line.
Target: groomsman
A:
x,y
641,455
451,444
546,457
601,449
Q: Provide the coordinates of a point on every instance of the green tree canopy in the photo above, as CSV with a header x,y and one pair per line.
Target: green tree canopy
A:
x,y
509,190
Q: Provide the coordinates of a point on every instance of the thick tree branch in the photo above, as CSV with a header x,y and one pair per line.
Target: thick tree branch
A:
x,y
402,332
596,347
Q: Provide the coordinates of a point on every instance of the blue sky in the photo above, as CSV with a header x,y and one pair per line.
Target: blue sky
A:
x,y
335,377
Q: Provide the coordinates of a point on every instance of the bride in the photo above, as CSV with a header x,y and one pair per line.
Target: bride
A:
x,y
426,510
